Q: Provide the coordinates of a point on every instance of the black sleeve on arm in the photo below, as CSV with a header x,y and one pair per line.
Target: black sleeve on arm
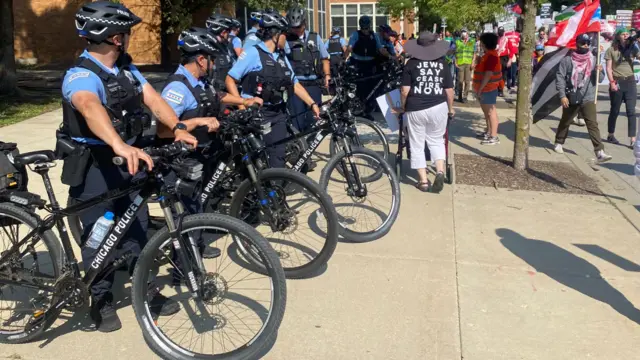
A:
x,y
448,81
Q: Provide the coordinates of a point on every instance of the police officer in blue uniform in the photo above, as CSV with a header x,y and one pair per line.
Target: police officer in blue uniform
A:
x,y
103,94
364,48
336,47
196,102
309,59
252,39
384,32
220,27
266,73
235,43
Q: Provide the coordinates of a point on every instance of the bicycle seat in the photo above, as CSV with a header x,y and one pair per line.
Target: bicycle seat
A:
x,y
34,157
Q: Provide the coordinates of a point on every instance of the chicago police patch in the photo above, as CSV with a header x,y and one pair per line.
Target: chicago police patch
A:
x,y
174,97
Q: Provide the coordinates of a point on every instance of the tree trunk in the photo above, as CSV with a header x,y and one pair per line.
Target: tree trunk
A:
x,y
8,82
524,115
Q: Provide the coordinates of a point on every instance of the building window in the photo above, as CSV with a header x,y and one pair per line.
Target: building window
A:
x,y
346,16
310,11
322,18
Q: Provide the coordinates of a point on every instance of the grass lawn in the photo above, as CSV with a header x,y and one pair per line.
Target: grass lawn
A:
x,y
15,109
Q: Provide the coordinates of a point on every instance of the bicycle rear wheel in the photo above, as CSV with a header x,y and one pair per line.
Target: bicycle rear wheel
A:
x,y
239,308
297,218
366,213
41,263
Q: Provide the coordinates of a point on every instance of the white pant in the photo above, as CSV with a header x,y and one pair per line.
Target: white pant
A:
x,y
427,125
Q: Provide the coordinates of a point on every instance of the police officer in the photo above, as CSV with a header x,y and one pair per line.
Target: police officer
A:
x,y
266,73
103,95
195,102
235,43
364,47
252,39
220,27
309,59
336,47
384,32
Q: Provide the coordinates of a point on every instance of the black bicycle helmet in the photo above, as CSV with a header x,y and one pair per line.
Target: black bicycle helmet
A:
x,y
364,22
336,29
235,24
296,17
218,23
273,20
197,40
385,28
98,21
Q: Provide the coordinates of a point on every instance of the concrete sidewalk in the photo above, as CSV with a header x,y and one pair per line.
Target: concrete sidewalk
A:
x,y
473,273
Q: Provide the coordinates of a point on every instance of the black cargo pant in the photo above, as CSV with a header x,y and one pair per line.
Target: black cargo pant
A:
x,y
366,69
626,93
277,116
303,117
590,114
504,60
103,176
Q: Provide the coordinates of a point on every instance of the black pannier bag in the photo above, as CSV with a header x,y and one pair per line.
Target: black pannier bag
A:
x,y
11,177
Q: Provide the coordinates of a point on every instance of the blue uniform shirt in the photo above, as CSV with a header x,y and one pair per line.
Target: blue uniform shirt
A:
x,y
81,79
343,42
352,42
387,44
178,96
237,43
321,46
250,61
251,39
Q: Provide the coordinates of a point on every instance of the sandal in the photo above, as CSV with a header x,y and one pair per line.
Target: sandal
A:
x,y
423,186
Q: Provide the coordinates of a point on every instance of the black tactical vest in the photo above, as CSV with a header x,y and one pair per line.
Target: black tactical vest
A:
x,y
366,45
304,55
208,105
223,64
124,104
272,83
336,53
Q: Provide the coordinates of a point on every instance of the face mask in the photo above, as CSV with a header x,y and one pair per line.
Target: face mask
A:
x,y
582,50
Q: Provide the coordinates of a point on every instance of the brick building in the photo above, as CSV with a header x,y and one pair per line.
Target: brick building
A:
x,y
45,32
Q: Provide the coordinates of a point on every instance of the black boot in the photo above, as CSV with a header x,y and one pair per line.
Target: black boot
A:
x,y
161,305
104,315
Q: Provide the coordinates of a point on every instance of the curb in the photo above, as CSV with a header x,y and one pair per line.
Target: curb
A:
x,y
628,211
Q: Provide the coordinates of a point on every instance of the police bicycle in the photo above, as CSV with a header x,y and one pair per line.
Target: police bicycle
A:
x,y
364,188
291,210
211,292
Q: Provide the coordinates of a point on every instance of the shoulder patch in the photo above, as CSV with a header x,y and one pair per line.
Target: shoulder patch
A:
x,y
174,96
242,55
81,74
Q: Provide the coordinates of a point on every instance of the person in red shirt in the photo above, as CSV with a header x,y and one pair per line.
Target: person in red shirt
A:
x,y
506,50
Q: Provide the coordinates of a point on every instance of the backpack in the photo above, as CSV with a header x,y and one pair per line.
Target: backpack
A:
x,y
11,177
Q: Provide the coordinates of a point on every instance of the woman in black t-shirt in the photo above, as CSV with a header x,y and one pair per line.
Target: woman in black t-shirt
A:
x,y
427,101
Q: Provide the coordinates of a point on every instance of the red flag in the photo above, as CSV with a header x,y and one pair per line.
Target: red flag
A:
x,y
582,21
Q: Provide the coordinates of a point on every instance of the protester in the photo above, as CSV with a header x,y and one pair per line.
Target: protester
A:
x,y
542,37
505,51
427,100
537,57
487,79
622,83
463,62
399,49
576,84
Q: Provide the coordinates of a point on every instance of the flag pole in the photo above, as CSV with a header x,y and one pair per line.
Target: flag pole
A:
x,y
597,71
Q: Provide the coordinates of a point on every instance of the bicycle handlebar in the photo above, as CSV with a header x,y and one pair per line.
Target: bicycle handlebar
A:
x,y
159,152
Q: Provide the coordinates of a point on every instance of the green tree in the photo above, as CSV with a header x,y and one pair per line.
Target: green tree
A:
x,y
8,83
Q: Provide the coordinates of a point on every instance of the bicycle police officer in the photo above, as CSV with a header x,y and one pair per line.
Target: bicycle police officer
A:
x,y
102,111
235,43
220,27
309,59
336,47
264,72
364,47
252,39
196,102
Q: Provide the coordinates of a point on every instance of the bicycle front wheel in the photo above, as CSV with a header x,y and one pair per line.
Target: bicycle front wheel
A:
x,y
295,216
366,209
368,135
237,309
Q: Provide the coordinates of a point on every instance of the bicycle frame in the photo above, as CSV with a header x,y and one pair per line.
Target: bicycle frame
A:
x,y
147,187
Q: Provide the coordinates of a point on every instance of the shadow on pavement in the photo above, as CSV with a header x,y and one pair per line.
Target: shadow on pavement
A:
x,y
567,269
606,255
621,168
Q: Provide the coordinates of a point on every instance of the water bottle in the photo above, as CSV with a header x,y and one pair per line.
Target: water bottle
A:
x,y
100,230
